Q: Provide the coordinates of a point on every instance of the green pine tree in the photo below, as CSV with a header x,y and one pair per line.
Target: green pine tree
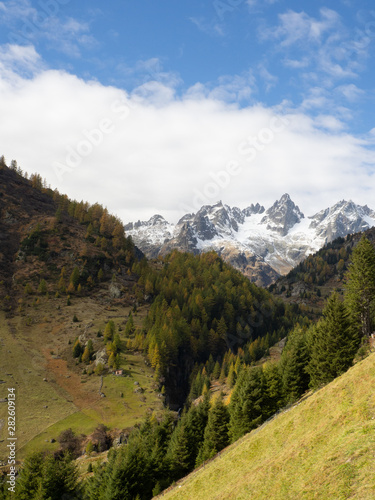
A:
x,y
77,349
231,380
294,361
130,327
360,286
29,478
216,371
333,343
216,435
74,277
274,396
44,477
179,453
42,288
247,403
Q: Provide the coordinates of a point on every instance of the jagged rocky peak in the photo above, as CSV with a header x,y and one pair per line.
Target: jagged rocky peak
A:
x,y
253,209
185,241
215,220
343,218
226,217
283,215
185,218
204,228
155,220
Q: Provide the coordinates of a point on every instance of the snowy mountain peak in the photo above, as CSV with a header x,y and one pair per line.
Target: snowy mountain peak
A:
x,y
283,215
345,217
253,209
155,220
261,244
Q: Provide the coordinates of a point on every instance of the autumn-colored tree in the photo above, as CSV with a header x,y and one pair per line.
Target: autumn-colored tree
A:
x,y
109,330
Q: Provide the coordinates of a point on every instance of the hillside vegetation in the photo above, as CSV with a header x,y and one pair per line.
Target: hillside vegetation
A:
x,y
322,448
204,311
314,279
65,272
106,337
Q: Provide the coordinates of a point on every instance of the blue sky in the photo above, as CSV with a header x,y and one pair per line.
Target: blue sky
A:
x,y
156,106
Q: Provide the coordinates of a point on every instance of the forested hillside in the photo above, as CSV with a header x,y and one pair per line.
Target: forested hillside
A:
x,y
203,310
193,330
65,273
43,231
313,280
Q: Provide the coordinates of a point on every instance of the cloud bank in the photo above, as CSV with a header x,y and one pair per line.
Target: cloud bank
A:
x,y
154,151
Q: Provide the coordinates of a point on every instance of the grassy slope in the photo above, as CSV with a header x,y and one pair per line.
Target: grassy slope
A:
x,y
36,340
323,448
71,398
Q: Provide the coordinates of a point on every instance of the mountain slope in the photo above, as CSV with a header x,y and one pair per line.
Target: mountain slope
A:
x,y
262,244
322,448
47,239
314,279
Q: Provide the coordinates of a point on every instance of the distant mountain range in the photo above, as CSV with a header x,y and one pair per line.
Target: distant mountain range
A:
x,y
262,244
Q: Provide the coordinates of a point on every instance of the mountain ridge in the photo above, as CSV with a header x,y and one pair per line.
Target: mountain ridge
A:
x,y
262,244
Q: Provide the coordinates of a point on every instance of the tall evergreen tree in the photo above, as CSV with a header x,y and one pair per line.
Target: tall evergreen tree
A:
x,y
294,361
231,380
274,396
360,285
43,477
247,402
29,477
216,435
333,343
216,371
179,452
74,277
129,328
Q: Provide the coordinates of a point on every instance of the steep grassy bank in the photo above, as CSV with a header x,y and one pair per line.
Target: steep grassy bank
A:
x,y
322,448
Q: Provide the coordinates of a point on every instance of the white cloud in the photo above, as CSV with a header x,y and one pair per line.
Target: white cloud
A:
x,y
297,64
325,58
148,70
153,152
322,43
212,28
26,24
17,62
269,79
351,92
297,26
228,88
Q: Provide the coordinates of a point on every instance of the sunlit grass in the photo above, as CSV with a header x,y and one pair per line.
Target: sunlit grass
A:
x,y
324,449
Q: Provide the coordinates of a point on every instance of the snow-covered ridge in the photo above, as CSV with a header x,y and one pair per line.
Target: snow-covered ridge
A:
x,y
261,243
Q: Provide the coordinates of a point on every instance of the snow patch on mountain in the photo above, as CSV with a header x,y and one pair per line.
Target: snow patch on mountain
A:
x,y
261,243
